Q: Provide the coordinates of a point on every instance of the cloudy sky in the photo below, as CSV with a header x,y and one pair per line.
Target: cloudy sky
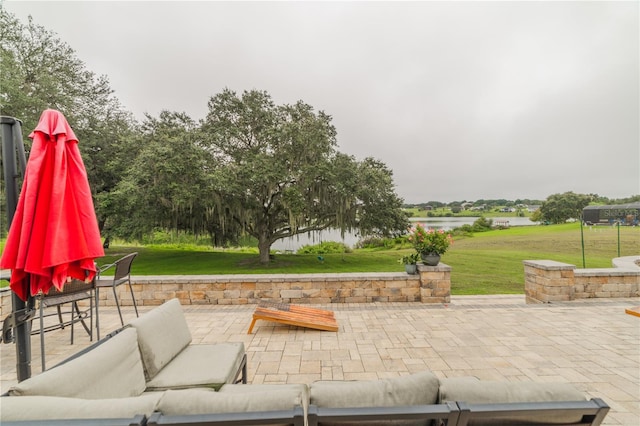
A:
x,y
462,100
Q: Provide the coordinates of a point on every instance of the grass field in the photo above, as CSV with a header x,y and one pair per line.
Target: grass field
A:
x,y
485,263
491,262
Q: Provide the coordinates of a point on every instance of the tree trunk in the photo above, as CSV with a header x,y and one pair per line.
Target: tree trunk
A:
x,y
264,245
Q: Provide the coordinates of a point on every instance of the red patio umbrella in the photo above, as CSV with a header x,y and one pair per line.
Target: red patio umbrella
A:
x,y
54,235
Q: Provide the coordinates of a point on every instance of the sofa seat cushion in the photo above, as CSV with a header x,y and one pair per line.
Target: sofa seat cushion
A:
x,y
162,334
416,389
112,369
494,392
204,401
14,408
200,366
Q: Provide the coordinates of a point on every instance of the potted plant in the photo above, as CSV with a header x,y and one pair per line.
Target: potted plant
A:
x,y
409,261
430,244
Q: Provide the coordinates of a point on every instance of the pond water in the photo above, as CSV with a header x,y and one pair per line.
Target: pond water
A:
x,y
448,223
350,239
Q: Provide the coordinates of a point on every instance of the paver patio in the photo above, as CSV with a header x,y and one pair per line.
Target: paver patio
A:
x,y
590,343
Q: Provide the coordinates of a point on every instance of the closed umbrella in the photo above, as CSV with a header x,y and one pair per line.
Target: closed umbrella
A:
x,y
54,234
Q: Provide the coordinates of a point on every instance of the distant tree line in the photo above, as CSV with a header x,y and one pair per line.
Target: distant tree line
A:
x,y
249,167
488,204
556,208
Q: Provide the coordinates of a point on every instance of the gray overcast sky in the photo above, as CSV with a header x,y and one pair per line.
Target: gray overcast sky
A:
x,y
462,100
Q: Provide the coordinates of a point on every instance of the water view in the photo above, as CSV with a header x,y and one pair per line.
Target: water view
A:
x,y
350,239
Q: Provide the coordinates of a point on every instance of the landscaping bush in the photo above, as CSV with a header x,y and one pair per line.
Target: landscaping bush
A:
x,y
161,236
381,243
326,247
482,225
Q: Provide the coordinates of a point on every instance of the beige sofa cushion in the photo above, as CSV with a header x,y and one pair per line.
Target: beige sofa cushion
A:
x,y
52,407
295,391
204,401
111,370
162,334
200,366
416,389
494,392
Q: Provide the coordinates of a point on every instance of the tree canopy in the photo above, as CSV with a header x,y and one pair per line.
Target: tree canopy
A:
x,y
40,71
558,208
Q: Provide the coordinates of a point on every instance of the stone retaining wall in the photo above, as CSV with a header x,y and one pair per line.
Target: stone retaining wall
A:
x,y
549,281
432,284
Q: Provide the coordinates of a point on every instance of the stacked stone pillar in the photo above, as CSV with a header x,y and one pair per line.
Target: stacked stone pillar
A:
x,y
435,283
548,281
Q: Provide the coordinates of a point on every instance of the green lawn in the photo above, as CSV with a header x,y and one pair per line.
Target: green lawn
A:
x,y
491,262
485,263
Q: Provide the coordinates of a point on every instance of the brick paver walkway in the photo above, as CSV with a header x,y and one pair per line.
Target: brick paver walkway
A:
x,y
592,344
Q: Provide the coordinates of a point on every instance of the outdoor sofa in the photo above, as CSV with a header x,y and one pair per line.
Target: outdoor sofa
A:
x,y
123,380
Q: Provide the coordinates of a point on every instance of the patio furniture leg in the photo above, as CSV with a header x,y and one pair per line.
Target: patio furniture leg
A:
x,y
135,306
253,322
74,310
42,336
60,316
118,305
97,315
89,329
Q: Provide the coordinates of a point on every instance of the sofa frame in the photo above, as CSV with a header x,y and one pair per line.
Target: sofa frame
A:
x,y
447,413
593,411
135,421
294,417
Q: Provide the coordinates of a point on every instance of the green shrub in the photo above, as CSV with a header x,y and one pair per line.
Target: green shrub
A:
x,y
326,247
465,230
162,236
382,243
482,224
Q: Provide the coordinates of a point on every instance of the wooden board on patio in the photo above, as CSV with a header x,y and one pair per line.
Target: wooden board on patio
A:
x,y
633,311
285,313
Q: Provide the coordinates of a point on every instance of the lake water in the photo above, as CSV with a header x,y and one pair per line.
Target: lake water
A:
x,y
350,239
448,223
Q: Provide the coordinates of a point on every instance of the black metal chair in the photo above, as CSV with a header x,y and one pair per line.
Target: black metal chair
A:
x,y
72,293
121,275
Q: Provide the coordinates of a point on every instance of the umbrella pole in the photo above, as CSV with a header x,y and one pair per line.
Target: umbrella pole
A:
x,y
12,139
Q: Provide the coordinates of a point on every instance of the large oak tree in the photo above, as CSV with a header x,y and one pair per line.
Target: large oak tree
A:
x,y
279,174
